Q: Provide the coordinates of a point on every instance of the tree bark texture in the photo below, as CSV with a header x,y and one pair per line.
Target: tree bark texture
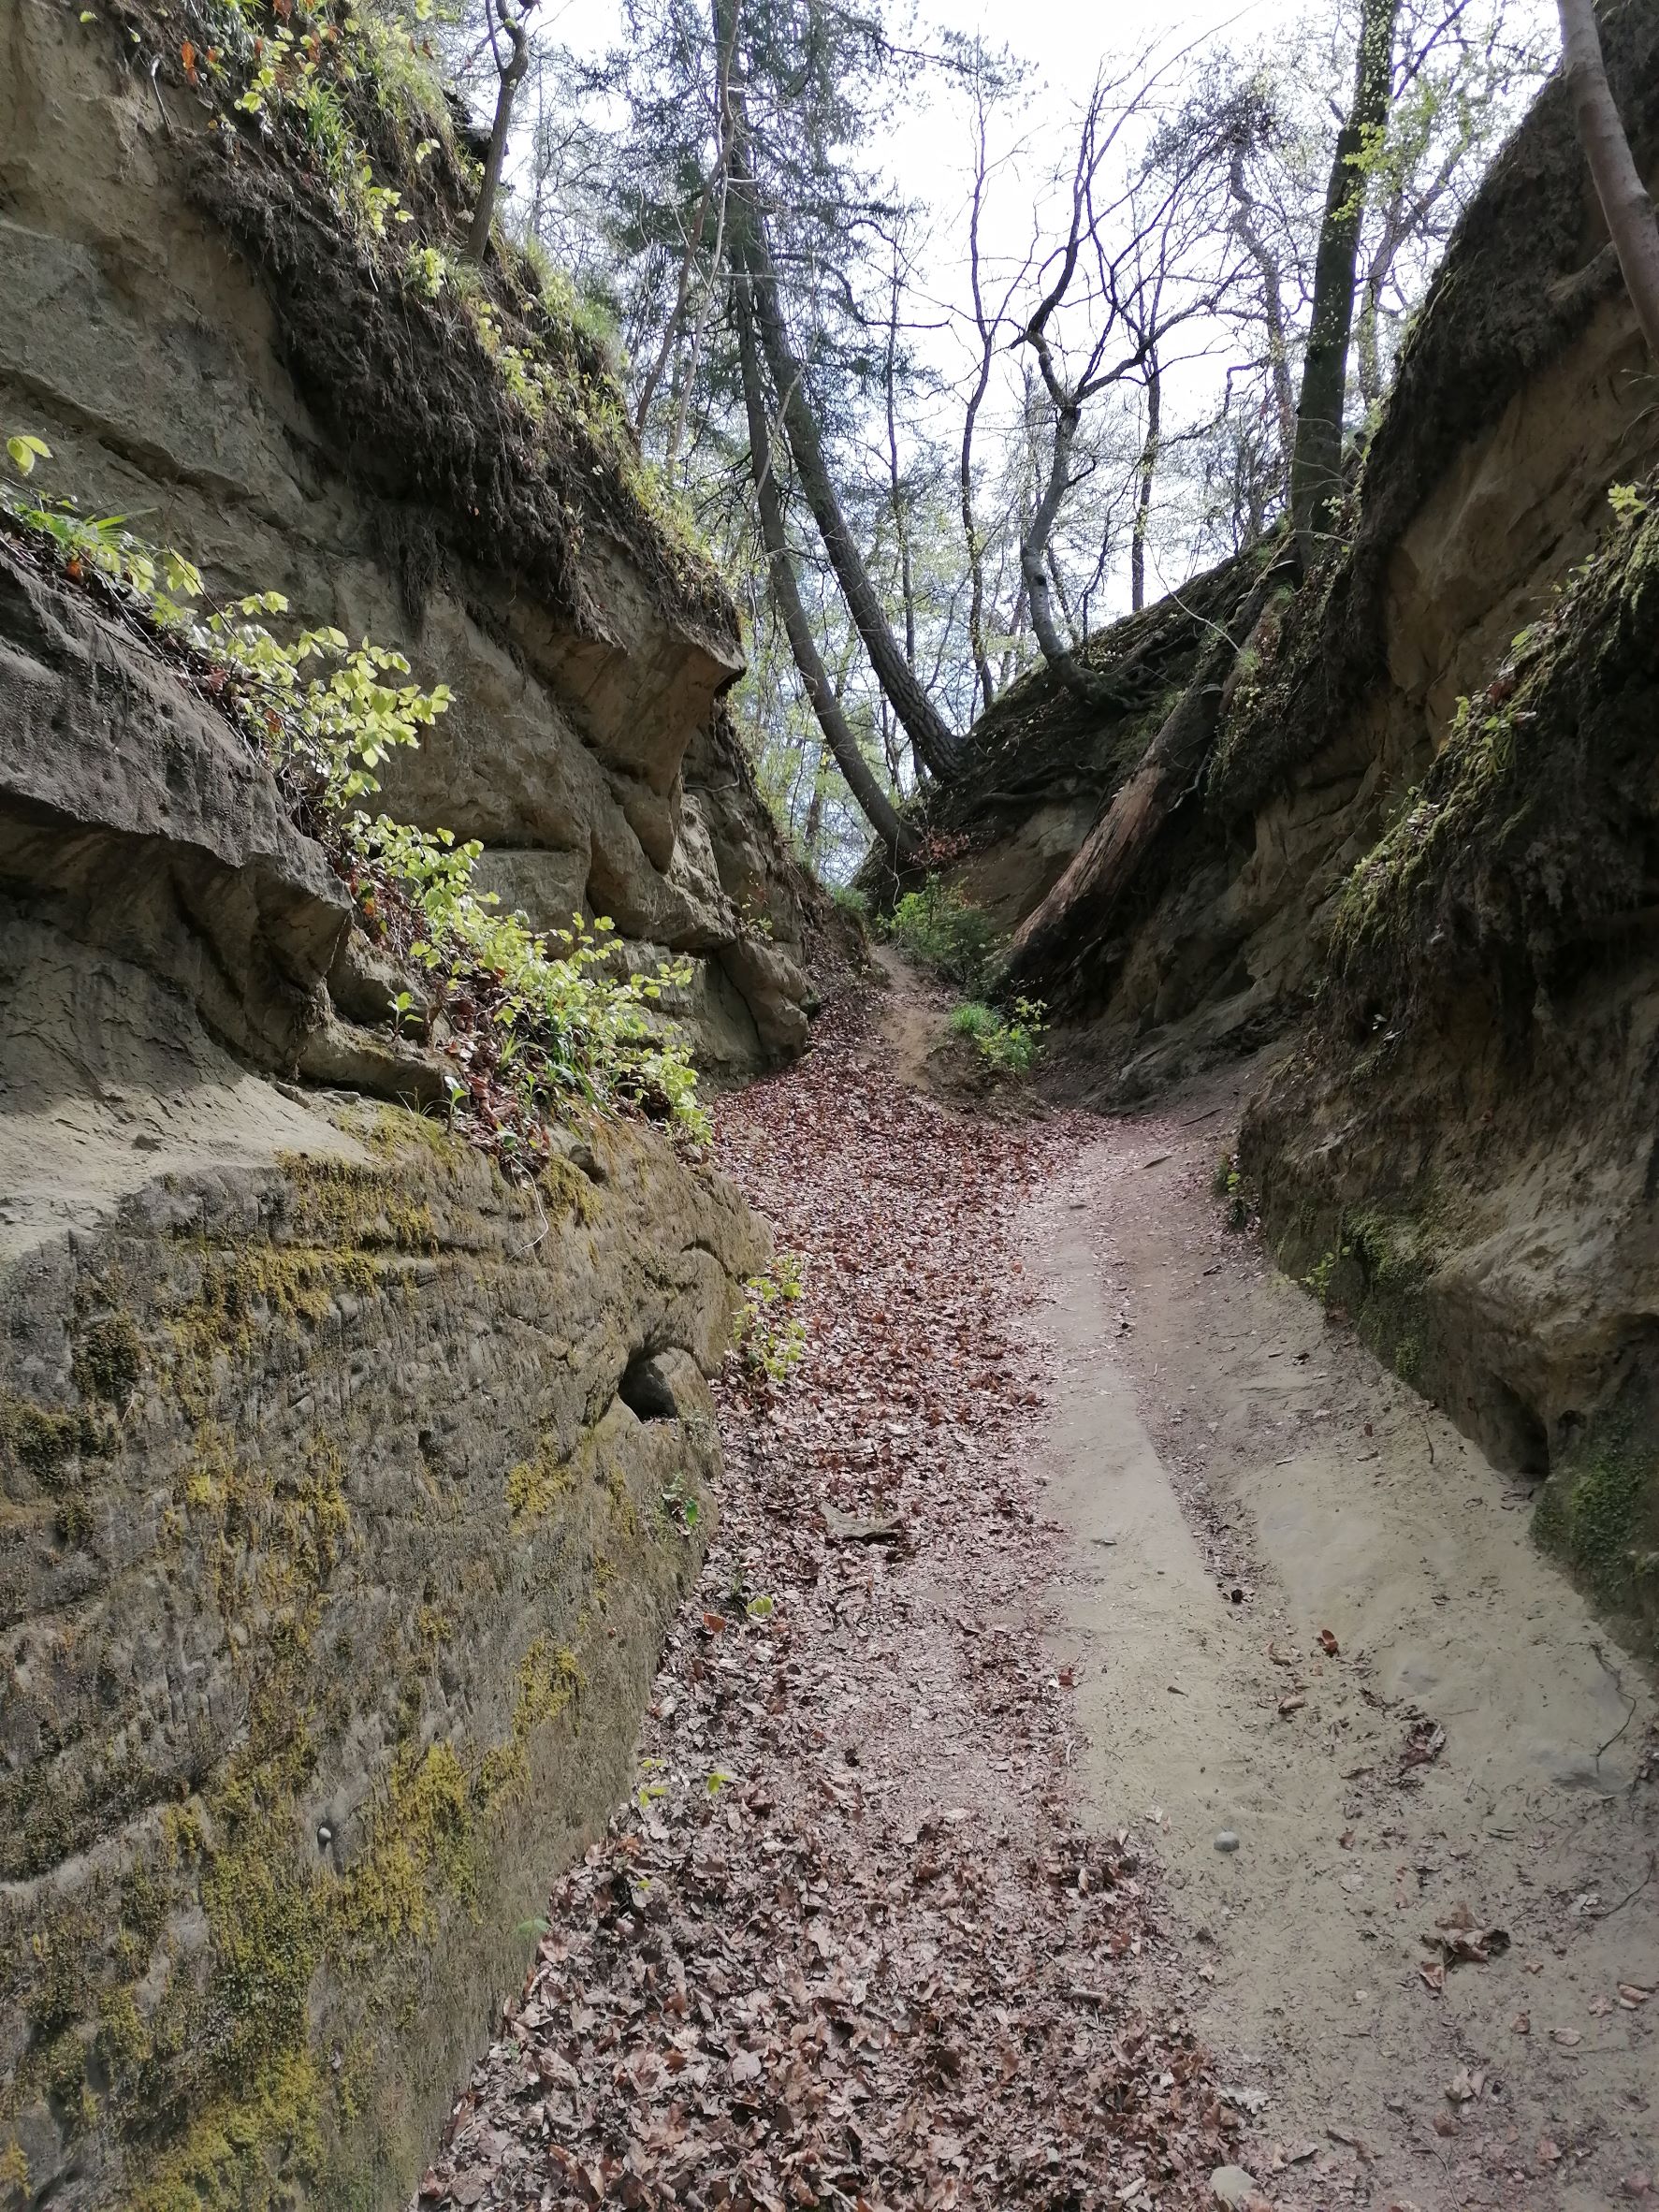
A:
x,y
877,808
1316,461
931,737
1624,197
512,76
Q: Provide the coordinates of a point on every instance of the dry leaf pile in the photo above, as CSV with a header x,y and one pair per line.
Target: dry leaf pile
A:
x,y
846,1946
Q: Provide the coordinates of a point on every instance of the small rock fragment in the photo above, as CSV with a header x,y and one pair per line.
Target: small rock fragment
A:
x,y
1226,1839
1231,2185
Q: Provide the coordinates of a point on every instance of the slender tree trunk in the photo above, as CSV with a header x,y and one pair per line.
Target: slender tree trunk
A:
x,y
930,736
812,836
970,533
1147,467
895,490
1624,197
1106,691
877,808
512,76
1273,309
976,554
1316,460
713,186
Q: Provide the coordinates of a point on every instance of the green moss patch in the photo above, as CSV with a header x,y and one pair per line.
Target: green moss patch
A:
x,y
1599,1513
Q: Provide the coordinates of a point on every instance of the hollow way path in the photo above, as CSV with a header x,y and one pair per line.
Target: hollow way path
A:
x,y
1014,1610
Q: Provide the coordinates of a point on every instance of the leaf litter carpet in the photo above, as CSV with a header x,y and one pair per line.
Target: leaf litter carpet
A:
x,y
848,1944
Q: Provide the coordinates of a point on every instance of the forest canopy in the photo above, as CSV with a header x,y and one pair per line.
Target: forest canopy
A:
x,y
954,365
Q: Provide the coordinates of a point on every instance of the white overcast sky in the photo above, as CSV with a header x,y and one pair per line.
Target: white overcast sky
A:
x,y
929,151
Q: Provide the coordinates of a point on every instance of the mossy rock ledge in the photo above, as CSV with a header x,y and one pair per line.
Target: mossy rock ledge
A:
x,y
342,1477
336,1570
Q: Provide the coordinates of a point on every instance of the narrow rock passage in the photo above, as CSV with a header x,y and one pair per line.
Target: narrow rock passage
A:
x,y
1075,1541
850,1946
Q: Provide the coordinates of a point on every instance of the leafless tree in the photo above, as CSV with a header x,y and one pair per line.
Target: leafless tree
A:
x,y
1128,262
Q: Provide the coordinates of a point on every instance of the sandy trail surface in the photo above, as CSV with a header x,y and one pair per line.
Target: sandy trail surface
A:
x,y
1015,1606
851,1943
1475,1753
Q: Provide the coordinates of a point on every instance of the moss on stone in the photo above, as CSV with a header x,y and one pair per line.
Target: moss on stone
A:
x,y
534,1486
47,1444
244,2152
109,1359
1599,1514
423,1850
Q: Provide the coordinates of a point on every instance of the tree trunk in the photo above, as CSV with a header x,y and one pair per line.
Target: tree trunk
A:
x,y
512,76
877,808
1624,197
1273,309
1081,907
1109,693
907,579
715,188
930,736
1146,470
1315,462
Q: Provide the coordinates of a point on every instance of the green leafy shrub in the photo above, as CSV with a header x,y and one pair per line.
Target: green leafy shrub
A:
x,y
529,1020
939,927
1012,1043
1228,1186
770,1335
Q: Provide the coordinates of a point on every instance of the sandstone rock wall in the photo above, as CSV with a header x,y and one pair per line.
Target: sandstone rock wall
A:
x,y
346,1489
154,335
1422,865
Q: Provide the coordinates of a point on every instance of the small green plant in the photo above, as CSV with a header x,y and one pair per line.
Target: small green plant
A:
x,y
680,1508
425,270
939,927
770,1335
1228,1186
534,1019
1011,1043
25,452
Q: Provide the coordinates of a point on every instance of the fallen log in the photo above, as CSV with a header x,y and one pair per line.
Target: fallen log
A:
x,y
1108,863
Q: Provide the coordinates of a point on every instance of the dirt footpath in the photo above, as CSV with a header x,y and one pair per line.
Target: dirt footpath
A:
x,y
1404,1783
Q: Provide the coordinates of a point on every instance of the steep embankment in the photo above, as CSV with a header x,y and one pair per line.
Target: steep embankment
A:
x,y
346,1481
251,355
1459,1153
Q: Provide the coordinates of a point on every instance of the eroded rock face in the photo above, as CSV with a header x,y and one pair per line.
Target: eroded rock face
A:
x,y
1455,1148
346,1489
147,343
340,1539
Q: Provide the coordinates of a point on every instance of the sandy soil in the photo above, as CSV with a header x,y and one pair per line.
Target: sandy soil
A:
x,y
1238,1478
1047,1525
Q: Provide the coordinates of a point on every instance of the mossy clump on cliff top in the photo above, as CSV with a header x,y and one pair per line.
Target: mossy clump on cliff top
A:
x,y
1527,851
480,404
